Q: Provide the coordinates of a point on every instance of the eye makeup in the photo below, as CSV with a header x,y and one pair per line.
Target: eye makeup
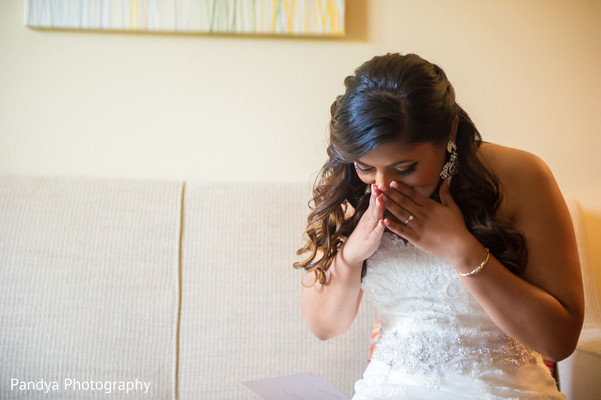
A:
x,y
362,171
403,172
407,171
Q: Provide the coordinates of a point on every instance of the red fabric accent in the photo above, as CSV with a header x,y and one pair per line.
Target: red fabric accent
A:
x,y
375,334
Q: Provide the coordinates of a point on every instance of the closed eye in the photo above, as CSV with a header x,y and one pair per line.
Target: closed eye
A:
x,y
406,171
403,172
362,171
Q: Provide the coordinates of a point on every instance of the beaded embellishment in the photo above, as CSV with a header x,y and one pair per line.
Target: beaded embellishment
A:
x,y
461,353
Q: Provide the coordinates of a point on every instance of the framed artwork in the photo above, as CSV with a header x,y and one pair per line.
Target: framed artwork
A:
x,y
247,17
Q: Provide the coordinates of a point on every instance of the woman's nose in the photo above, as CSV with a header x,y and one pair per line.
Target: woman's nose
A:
x,y
383,179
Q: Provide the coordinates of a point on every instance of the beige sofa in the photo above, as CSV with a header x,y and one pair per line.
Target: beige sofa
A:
x,y
166,290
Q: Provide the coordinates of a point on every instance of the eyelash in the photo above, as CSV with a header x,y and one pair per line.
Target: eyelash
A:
x,y
410,169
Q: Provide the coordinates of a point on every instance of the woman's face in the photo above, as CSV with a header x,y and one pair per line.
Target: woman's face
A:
x,y
416,165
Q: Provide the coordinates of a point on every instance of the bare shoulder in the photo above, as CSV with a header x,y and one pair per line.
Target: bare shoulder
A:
x,y
525,179
533,200
513,165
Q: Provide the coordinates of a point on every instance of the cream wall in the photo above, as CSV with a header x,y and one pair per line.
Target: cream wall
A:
x,y
256,108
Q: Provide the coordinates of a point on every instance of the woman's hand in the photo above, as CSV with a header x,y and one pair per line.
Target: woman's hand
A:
x,y
437,228
366,238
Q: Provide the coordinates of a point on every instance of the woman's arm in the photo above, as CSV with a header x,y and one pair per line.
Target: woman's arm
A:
x,y
542,308
330,309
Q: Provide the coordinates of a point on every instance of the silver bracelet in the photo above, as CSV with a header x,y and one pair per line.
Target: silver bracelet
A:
x,y
479,267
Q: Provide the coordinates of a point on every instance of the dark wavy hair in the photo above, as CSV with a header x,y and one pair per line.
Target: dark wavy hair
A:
x,y
404,97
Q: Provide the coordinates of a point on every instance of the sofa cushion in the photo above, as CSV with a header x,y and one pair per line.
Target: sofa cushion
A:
x,y
241,318
579,374
89,285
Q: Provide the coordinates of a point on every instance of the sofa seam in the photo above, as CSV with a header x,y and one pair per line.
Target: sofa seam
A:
x,y
178,290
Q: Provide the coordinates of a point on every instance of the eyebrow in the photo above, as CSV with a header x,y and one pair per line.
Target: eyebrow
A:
x,y
391,165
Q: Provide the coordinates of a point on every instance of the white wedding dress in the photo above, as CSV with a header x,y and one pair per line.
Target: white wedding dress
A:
x,y
436,341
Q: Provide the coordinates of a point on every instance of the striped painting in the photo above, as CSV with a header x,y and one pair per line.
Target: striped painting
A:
x,y
266,17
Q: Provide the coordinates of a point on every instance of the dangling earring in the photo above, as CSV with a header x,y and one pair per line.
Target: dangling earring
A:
x,y
450,167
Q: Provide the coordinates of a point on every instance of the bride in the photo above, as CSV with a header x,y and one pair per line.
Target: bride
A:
x,y
465,247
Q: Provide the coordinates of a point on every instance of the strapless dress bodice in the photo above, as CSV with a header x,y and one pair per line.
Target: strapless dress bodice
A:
x,y
436,341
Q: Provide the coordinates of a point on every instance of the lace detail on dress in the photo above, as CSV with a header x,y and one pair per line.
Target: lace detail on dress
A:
x,y
435,337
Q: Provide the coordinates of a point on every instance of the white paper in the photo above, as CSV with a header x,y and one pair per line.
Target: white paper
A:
x,y
305,386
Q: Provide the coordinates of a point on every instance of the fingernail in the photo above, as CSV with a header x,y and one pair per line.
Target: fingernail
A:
x,y
387,222
394,184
